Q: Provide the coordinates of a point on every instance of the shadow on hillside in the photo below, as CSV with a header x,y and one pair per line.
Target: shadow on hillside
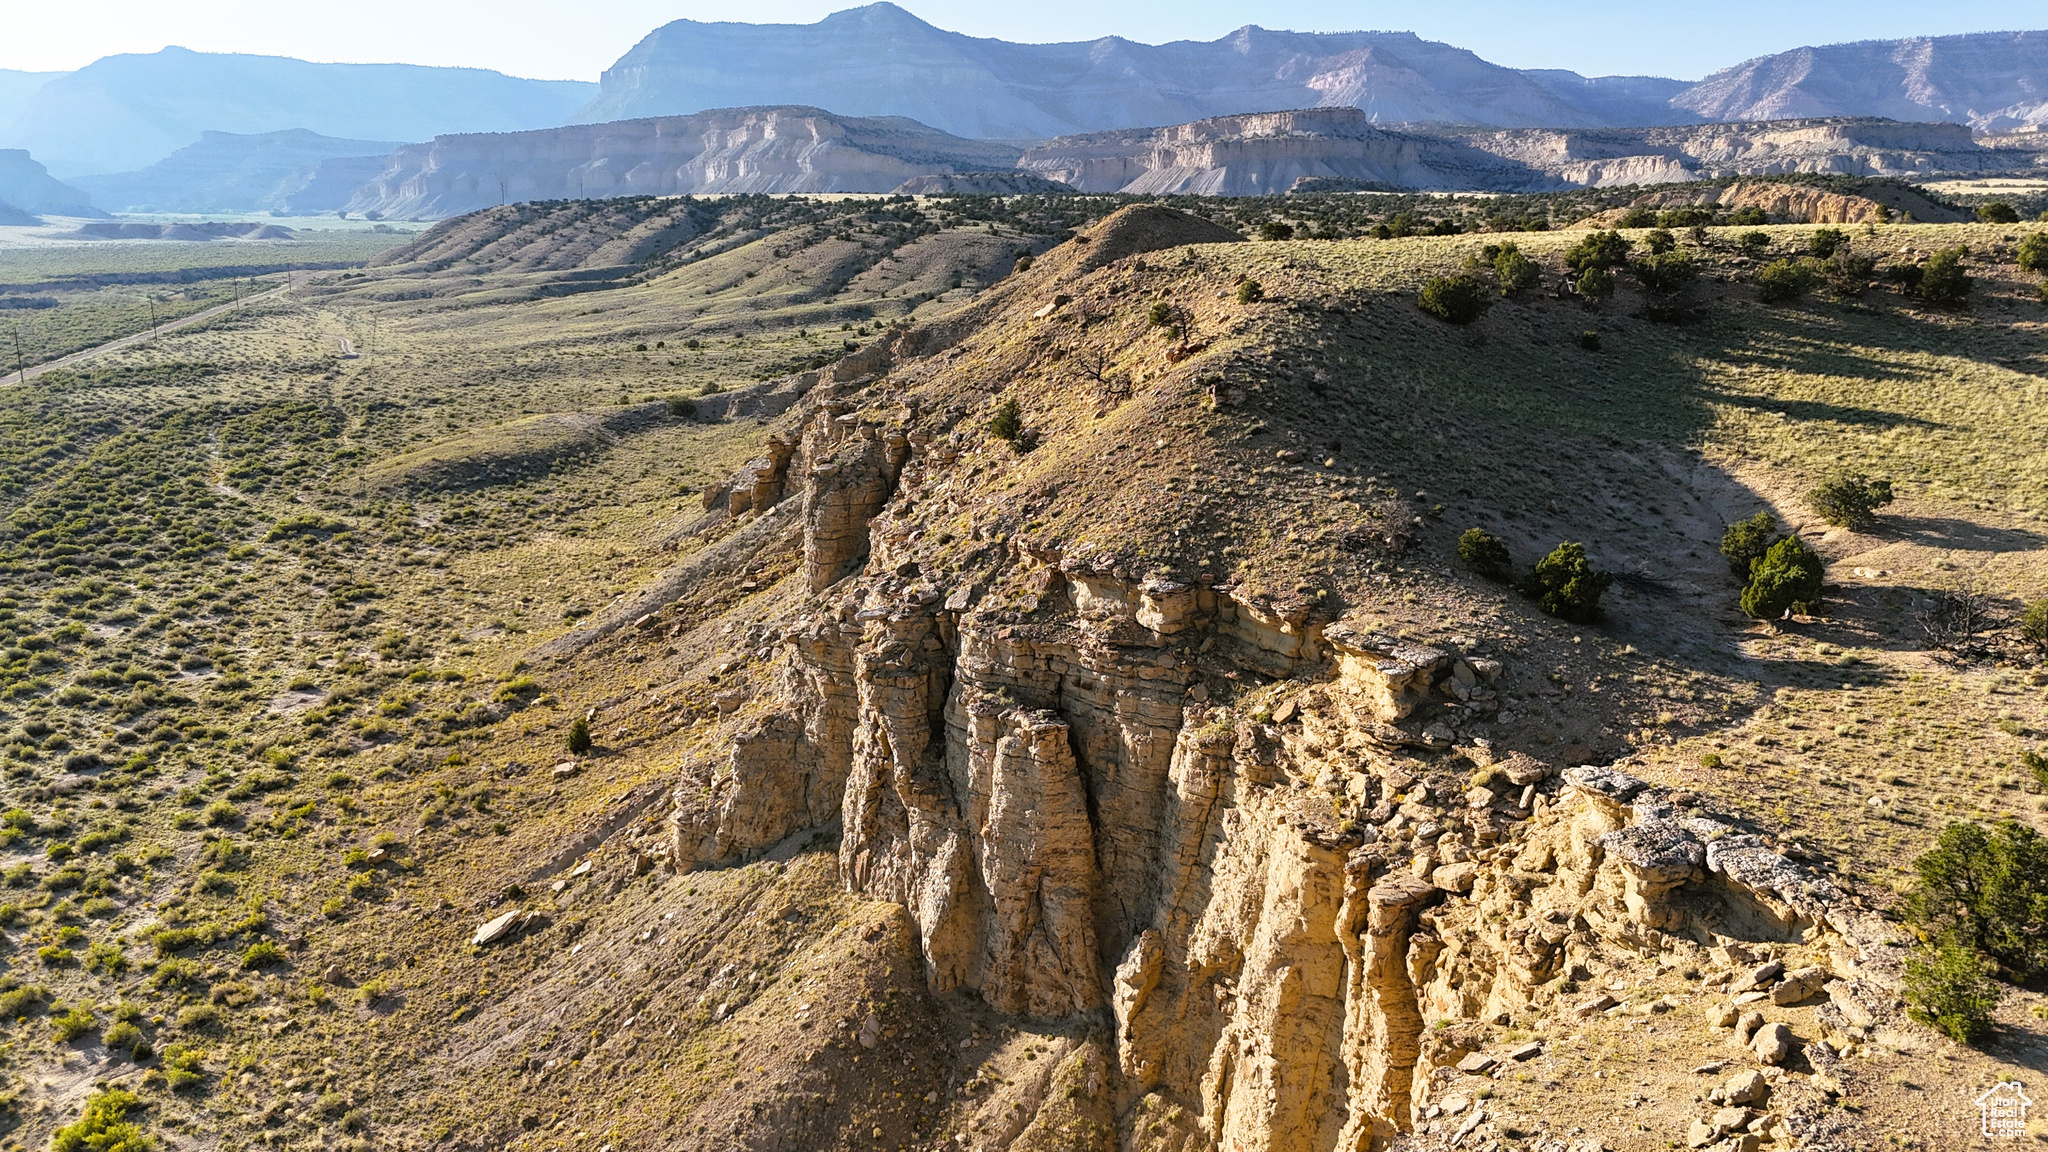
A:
x,y
1537,439
1957,535
1814,410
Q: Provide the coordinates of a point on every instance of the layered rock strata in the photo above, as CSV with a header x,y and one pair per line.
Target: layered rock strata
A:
x,y
1266,895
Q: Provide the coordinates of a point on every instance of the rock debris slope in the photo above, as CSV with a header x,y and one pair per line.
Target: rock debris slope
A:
x,y
1255,836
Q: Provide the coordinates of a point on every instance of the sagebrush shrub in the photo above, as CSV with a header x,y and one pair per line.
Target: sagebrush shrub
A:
x,y
2034,628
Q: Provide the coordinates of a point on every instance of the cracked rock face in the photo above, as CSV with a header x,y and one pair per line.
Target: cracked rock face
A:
x,y
1265,901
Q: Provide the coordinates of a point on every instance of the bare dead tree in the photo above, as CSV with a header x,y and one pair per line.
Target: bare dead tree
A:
x,y
1953,618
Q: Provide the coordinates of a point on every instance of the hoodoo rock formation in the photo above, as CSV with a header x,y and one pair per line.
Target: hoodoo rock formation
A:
x,y
1258,842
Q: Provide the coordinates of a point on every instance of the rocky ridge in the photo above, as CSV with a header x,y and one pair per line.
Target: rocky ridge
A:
x,y
1275,152
1261,842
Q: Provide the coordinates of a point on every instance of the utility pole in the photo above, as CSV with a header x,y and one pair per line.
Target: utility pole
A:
x,y
20,365
152,318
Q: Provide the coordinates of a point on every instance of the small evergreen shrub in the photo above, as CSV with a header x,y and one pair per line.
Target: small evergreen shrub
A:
x,y
1785,578
1486,554
1660,241
1566,585
1823,243
1596,283
1948,987
1746,541
2033,253
1007,422
1454,299
1783,280
1637,217
1754,244
1997,212
2034,629
1850,501
1250,292
1276,230
579,736
1667,272
1750,217
681,407
1597,250
1987,891
1589,340
1515,270
1943,280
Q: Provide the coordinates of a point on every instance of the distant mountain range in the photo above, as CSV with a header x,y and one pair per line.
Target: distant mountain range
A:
x,y
27,188
230,172
880,60
122,113
185,131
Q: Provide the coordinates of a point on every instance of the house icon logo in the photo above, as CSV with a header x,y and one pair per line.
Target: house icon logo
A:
x,y
2004,1108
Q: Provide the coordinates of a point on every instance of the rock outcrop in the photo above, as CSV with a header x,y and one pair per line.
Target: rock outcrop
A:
x,y
1336,148
1267,887
29,187
772,149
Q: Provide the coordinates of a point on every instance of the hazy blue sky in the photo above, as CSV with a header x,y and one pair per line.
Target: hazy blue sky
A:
x,y
550,39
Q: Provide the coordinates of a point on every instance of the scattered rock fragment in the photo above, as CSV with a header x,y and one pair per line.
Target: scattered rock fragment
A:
x,y
1799,986
1772,1044
1746,1088
496,929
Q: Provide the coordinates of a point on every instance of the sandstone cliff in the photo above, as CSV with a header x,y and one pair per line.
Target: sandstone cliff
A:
x,y
780,149
1271,152
1265,842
